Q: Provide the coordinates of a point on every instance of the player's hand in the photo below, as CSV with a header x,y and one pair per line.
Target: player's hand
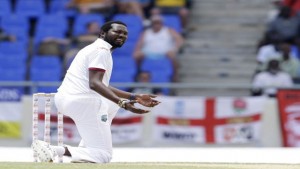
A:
x,y
130,107
146,100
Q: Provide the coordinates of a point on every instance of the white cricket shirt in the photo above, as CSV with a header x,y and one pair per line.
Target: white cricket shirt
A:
x,y
96,56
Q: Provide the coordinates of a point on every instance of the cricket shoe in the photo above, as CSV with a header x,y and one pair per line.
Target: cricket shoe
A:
x,y
43,150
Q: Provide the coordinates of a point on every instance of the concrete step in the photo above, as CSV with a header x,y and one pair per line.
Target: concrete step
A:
x,y
220,44
208,35
211,50
213,92
216,80
237,13
218,72
232,2
242,20
204,65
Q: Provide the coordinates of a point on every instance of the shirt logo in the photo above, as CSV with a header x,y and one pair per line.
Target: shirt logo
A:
x,y
104,118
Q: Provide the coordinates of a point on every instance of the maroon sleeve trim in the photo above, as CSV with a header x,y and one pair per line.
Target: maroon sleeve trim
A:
x,y
97,69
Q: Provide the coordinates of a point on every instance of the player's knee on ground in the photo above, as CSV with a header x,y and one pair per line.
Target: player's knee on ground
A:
x,y
102,156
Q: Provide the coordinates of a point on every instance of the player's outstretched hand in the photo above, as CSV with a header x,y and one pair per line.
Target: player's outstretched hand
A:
x,y
147,100
130,107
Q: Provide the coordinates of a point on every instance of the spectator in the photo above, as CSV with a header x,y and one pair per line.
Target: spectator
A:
x,y
89,6
159,41
133,7
285,26
289,63
145,77
6,37
178,7
269,51
266,82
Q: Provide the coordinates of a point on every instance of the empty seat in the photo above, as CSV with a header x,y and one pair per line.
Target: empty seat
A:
x,y
42,34
17,49
161,65
30,8
20,34
5,8
59,7
126,65
81,22
126,50
47,69
172,21
55,21
15,21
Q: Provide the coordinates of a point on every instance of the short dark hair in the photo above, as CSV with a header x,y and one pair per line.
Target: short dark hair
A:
x,y
107,26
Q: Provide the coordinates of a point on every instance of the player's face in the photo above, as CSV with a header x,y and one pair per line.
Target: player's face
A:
x,y
117,35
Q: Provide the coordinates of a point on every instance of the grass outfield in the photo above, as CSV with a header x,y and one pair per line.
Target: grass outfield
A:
x,y
7,165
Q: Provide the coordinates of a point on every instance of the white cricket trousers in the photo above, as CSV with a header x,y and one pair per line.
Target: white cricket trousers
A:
x,y
92,116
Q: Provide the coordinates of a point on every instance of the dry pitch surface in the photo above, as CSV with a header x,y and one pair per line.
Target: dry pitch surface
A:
x,y
7,165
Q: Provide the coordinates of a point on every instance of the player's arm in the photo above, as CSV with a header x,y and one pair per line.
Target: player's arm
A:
x,y
144,99
96,84
122,94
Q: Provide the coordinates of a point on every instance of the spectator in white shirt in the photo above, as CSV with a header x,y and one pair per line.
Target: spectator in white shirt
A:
x,y
267,82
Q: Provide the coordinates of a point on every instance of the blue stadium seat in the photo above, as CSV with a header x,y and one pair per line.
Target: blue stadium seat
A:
x,y
55,21
17,49
42,34
46,68
172,21
125,64
15,74
124,71
15,21
160,65
134,25
126,50
5,8
12,61
20,34
59,7
12,68
82,20
30,8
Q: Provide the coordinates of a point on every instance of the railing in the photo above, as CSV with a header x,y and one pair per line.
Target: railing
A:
x,y
35,85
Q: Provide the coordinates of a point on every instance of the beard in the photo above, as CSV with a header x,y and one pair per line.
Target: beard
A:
x,y
113,42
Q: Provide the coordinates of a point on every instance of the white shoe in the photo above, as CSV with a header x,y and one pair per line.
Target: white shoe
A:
x,y
44,151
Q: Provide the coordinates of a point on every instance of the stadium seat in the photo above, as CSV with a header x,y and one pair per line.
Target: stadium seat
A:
x,y
126,50
45,68
160,65
134,25
20,34
172,21
59,7
5,8
42,34
125,64
11,49
15,21
82,20
30,8
55,21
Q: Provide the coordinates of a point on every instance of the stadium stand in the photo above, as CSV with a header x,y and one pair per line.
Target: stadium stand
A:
x,y
35,24
30,8
82,19
5,8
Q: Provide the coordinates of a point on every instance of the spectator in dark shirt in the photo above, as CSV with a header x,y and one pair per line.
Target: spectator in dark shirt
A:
x,y
285,26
